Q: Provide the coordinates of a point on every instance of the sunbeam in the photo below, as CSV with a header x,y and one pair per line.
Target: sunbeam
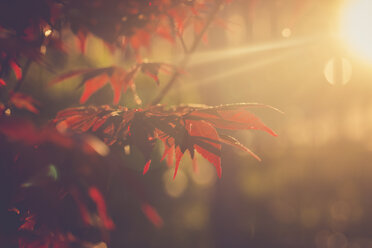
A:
x,y
215,56
259,63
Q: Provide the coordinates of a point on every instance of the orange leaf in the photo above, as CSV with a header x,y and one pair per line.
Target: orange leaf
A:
x,y
97,197
70,74
17,70
92,85
140,39
82,41
233,119
179,155
152,215
234,142
147,167
23,101
117,83
203,129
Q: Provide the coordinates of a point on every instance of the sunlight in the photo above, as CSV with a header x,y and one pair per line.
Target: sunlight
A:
x,y
356,27
286,32
249,66
214,56
338,71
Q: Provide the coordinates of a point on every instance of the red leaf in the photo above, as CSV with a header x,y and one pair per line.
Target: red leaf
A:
x,y
195,165
140,39
206,130
168,151
82,207
181,129
147,167
97,197
70,74
17,70
92,85
118,79
234,142
152,69
165,32
23,101
2,82
152,215
179,155
234,119
82,41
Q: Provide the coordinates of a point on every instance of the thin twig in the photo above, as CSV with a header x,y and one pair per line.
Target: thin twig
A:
x,y
187,56
185,49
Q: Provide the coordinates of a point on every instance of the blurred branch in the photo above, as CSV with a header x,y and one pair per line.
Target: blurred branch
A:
x,y
186,51
172,81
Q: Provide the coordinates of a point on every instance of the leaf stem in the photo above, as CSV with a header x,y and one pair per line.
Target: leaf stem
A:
x,y
172,81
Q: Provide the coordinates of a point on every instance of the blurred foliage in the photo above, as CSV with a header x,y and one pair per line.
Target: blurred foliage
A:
x,y
312,187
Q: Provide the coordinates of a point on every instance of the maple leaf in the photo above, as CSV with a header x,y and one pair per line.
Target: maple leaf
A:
x,y
23,131
94,79
97,197
17,70
119,79
181,129
152,215
206,136
23,101
153,69
81,41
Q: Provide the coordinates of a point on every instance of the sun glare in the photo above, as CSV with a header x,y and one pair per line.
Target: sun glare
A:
x,y
356,26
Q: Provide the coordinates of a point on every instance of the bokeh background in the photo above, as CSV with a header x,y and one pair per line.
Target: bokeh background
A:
x,y
307,58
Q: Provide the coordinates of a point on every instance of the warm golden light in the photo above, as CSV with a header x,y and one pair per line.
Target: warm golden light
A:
x,y
338,71
286,32
356,26
47,32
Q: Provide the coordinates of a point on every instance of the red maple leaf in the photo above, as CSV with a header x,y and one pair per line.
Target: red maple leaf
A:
x,y
181,129
119,79
23,101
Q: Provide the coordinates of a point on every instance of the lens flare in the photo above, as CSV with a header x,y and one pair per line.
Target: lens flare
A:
x,y
356,27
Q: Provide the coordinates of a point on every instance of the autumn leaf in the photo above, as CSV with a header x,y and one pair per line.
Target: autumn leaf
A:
x,y
183,128
153,69
25,132
98,199
70,74
119,79
23,101
81,41
208,144
234,142
151,213
95,79
17,70
92,85
147,167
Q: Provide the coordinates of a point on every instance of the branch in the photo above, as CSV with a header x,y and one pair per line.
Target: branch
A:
x,y
187,56
183,43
